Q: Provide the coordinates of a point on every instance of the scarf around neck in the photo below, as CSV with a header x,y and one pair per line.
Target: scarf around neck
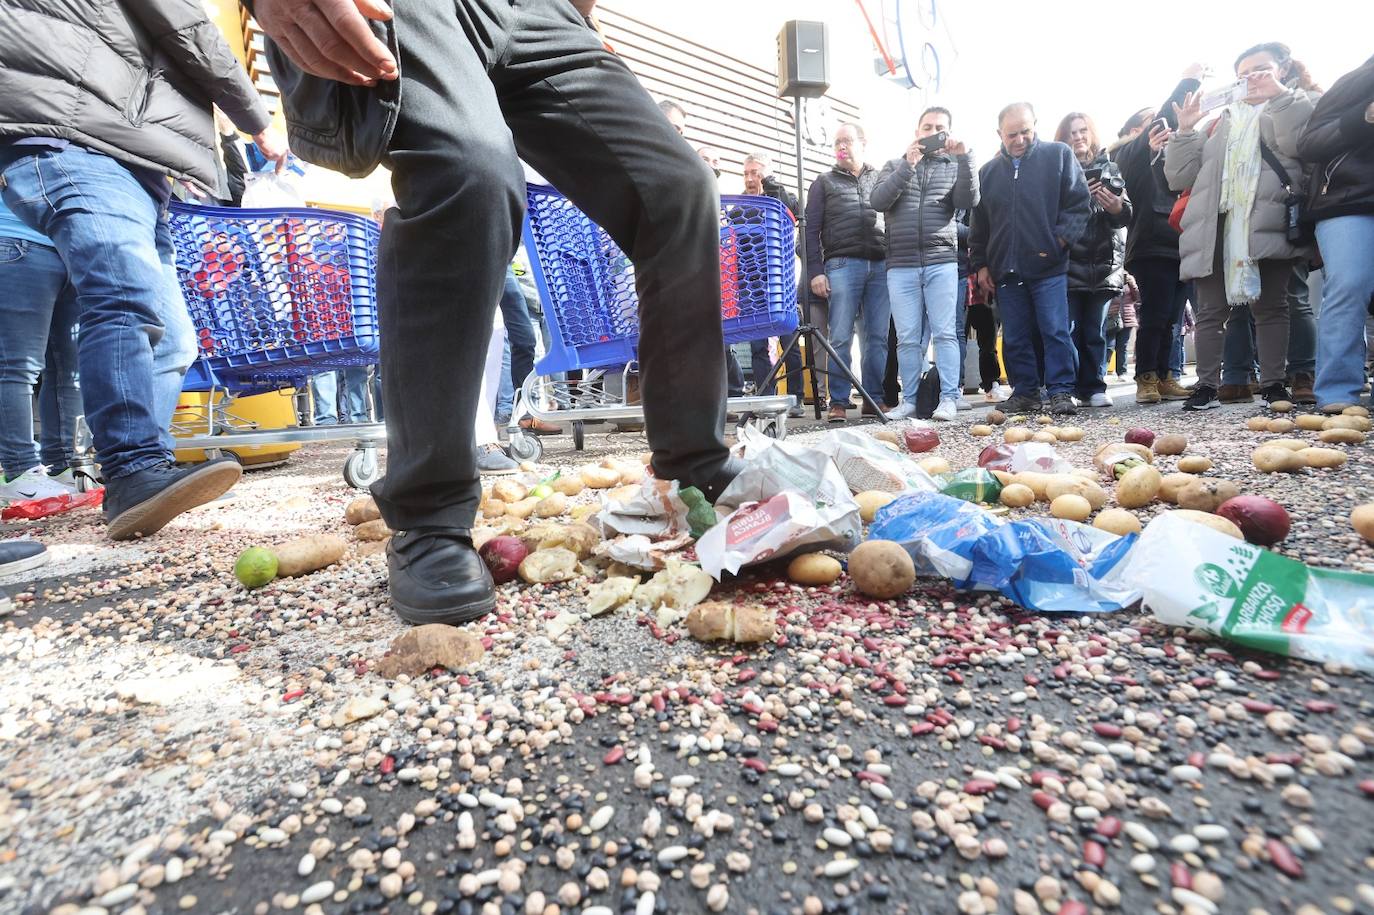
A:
x,y
1240,171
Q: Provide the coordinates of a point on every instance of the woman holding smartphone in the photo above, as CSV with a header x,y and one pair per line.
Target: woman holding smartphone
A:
x,y
1096,261
1242,173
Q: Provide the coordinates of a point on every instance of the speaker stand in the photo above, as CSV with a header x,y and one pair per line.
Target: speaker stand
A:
x,y
807,329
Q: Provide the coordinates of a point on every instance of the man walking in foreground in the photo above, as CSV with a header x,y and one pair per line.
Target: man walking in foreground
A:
x,y
1034,205
451,94
97,111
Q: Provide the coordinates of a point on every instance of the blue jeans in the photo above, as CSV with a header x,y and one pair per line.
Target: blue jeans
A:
x,y
761,366
515,314
961,327
37,336
330,406
111,233
1176,354
1346,243
1087,314
1302,325
1118,350
1037,305
1238,363
858,287
923,303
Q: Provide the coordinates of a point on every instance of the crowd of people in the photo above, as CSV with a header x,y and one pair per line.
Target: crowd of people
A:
x,y
1070,244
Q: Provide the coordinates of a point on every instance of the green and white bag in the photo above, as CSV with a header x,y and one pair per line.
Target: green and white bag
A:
x,y
1191,575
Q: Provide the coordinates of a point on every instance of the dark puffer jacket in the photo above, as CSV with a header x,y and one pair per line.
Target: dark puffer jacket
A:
x,y
1149,234
133,79
841,220
919,203
1339,142
1097,260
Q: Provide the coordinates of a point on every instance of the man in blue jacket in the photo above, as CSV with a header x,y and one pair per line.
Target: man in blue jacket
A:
x,y
1034,205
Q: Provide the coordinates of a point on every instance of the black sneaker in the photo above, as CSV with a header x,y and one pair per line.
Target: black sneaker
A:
x,y
716,484
1204,397
1016,403
143,502
21,555
437,577
1062,404
1273,393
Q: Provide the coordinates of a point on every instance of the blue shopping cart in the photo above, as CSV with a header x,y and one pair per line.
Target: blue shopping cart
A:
x,y
275,297
587,287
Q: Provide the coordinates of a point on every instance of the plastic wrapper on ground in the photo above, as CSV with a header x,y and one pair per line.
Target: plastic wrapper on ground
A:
x,y
938,531
1038,457
1055,566
786,523
654,510
1190,575
866,465
972,485
34,509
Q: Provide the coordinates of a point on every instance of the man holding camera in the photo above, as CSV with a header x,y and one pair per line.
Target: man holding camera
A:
x,y
919,194
1034,205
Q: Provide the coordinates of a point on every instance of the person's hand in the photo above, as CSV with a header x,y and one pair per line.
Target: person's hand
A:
x,y
1160,137
273,147
1305,80
914,152
330,38
1188,115
192,189
985,283
820,286
1263,85
1195,71
955,147
1110,202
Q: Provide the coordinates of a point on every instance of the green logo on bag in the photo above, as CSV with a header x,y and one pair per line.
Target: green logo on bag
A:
x,y
1214,578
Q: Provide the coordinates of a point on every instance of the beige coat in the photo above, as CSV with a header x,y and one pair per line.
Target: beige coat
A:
x,y
1194,160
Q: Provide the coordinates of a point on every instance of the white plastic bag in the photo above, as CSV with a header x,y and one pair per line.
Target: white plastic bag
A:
x,y
270,191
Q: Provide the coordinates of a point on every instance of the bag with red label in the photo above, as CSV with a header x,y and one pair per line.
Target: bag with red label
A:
x,y
780,526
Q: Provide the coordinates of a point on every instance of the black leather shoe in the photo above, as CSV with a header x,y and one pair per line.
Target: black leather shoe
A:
x,y
714,485
437,577
143,502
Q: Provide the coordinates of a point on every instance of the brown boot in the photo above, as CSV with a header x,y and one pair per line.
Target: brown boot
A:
x,y
1302,388
1170,389
1235,393
1147,388
838,414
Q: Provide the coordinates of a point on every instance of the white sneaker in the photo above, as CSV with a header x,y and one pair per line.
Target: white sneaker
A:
x,y
905,410
33,483
1100,400
998,394
946,411
964,404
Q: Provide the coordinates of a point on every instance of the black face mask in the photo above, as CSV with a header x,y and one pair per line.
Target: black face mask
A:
x,y
717,171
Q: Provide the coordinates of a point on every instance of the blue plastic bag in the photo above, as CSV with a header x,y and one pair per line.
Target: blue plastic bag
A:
x,y
938,531
1054,566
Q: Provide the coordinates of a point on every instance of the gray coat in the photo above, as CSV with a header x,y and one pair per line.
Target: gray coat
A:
x,y
133,79
919,203
1194,160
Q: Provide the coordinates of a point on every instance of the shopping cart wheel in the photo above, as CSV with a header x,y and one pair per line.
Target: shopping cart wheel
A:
x,y
361,469
524,447
579,434
774,427
86,480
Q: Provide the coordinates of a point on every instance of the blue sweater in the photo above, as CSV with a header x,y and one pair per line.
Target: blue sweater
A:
x,y
1030,212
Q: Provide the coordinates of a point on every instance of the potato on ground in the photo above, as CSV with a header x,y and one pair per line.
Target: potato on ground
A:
x,y
1206,495
551,506
1138,487
522,509
1045,436
1016,495
1292,444
1117,521
1281,425
1016,435
1173,443
1346,421
308,554
1070,434
870,501
1325,458
1194,463
568,484
1207,519
1362,520
979,430
552,565
1071,507
744,623
372,530
1275,459
360,510
1171,484
600,477
1064,484
1257,424
814,569
1311,422
1341,436
934,465
881,569
509,491
492,508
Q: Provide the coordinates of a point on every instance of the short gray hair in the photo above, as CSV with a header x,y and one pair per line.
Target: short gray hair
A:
x,y
1013,107
760,158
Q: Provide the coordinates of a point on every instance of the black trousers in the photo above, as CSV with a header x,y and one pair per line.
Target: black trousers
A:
x,y
1162,297
983,320
482,82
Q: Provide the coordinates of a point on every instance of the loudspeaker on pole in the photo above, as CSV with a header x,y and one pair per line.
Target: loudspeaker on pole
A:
x,y
803,59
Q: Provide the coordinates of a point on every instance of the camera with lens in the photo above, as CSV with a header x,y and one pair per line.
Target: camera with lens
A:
x,y
1109,176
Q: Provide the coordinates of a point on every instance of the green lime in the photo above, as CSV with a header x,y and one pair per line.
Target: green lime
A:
x,y
542,491
255,567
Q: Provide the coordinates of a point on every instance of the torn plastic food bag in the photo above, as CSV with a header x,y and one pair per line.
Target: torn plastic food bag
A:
x,y
1039,457
783,467
938,531
1191,575
827,519
34,509
654,509
1055,566
866,465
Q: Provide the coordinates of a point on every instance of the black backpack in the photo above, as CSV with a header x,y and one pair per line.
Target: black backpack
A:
x,y
928,394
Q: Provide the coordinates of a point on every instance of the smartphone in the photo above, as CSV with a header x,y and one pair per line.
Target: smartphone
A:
x,y
1158,123
1220,98
933,143
1093,174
